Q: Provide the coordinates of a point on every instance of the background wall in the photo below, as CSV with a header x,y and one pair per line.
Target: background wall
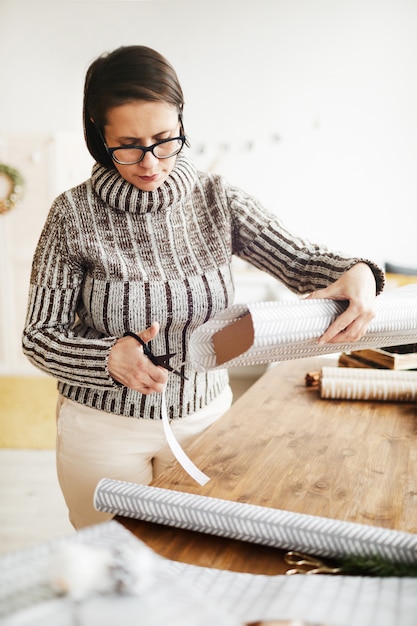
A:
x,y
309,104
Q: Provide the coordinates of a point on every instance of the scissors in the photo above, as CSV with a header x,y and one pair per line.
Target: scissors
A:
x,y
305,564
162,360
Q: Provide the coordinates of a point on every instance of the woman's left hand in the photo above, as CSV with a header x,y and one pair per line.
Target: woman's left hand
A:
x,y
358,286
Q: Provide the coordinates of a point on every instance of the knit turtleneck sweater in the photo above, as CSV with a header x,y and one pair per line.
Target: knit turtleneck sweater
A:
x,y
112,258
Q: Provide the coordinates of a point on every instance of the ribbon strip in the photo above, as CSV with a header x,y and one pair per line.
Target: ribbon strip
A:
x,y
263,332
248,522
177,451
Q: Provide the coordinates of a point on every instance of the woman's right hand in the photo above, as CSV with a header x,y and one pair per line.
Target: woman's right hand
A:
x,y
129,366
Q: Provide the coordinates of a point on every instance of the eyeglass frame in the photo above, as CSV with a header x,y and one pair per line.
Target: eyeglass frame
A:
x,y
146,149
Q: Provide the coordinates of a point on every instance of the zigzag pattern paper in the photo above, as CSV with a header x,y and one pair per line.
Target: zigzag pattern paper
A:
x,y
263,332
253,523
26,599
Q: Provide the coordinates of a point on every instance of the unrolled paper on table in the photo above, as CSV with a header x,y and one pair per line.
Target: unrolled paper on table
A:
x,y
263,332
27,599
257,524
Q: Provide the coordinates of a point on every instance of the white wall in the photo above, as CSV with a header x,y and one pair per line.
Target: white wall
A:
x,y
335,80
309,104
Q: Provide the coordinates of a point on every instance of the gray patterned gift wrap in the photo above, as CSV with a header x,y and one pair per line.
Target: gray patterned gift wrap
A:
x,y
26,598
264,332
140,587
257,524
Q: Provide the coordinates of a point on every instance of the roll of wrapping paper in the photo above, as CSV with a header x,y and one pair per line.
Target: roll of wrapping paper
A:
x,y
256,524
264,332
368,384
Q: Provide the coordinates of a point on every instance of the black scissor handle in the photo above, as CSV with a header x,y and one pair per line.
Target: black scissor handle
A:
x,y
162,360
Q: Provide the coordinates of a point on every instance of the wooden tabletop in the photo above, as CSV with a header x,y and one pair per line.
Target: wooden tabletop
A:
x,y
282,446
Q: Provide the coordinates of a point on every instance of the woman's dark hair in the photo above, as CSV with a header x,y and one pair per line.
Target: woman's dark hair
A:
x,y
125,75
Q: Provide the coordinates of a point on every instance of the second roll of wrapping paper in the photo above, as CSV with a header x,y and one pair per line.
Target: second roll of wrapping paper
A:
x,y
257,524
368,384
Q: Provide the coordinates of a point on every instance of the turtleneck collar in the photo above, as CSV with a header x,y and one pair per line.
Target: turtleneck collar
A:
x,y
123,196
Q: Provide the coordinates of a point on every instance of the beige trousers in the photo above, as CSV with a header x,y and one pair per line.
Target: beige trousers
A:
x,y
92,445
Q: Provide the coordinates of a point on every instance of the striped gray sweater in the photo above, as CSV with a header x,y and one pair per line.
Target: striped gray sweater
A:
x,y
112,258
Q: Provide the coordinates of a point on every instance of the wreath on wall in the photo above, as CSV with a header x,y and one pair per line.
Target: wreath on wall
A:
x,y
16,184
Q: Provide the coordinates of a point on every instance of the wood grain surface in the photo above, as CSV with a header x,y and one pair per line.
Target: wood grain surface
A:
x,y
282,446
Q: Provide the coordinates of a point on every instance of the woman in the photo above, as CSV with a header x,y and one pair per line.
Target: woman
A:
x,y
144,247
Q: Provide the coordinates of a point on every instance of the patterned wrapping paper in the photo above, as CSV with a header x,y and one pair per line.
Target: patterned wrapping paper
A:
x,y
263,332
257,524
157,596
27,600
368,384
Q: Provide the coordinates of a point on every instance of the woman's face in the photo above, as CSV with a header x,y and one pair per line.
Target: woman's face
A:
x,y
143,123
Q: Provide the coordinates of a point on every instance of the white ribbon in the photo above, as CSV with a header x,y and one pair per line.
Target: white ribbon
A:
x,y
177,451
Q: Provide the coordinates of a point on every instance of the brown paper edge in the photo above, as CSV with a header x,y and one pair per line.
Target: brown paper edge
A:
x,y
233,340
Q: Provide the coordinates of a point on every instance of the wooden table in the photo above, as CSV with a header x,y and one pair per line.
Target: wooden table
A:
x,y
281,445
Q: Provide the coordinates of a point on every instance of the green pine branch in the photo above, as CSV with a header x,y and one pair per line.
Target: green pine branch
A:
x,y
376,566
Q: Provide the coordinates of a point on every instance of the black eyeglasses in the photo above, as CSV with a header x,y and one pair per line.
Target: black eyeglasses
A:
x,y
164,149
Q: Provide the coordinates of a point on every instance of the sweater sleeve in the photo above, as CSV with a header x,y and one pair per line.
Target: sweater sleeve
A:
x,y
50,339
261,239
